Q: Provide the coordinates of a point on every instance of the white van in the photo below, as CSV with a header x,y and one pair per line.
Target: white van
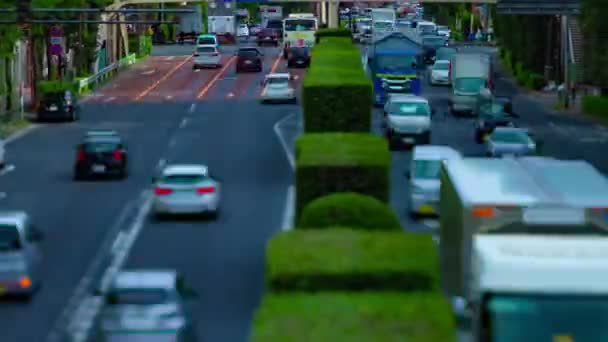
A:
x,y
426,27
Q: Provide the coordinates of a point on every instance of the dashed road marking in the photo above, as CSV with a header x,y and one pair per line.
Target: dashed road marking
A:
x,y
230,95
192,108
217,76
7,169
283,141
162,79
161,164
289,211
109,99
172,142
183,123
169,97
3,195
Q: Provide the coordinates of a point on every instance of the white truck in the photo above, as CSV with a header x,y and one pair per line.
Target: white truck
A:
x,y
469,74
268,13
221,25
383,21
524,247
190,25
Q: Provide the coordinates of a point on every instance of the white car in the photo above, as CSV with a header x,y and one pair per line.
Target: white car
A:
x,y
242,30
207,56
277,88
444,31
440,73
2,154
186,189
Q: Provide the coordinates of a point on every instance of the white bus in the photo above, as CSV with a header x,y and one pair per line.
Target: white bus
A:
x,y
299,31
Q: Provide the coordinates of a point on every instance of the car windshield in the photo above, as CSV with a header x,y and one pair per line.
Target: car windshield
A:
x,y
205,49
441,66
300,52
508,137
299,25
100,146
145,296
248,53
54,97
433,41
409,109
542,317
275,24
383,25
206,41
469,85
427,169
390,62
9,238
183,179
277,80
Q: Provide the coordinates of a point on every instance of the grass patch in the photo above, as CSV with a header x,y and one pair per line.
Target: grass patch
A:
x,y
11,125
349,259
354,317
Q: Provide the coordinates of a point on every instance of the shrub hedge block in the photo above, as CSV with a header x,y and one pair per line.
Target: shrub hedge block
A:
x,y
348,210
596,106
53,86
337,96
341,162
351,259
354,317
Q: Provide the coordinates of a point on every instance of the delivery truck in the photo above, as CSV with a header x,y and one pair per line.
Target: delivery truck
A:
x,y
489,209
469,74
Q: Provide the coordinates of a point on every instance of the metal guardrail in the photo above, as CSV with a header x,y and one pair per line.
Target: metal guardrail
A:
x,y
103,73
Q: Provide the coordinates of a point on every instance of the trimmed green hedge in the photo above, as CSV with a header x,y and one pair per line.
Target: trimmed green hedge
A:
x,y
334,32
596,106
348,210
341,162
337,96
351,259
354,317
53,86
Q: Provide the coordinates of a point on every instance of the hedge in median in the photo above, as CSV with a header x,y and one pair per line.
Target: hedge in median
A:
x,y
337,317
596,106
351,259
341,162
348,210
334,32
337,96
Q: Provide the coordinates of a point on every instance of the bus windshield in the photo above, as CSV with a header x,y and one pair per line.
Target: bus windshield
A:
x,y
298,25
394,62
540,317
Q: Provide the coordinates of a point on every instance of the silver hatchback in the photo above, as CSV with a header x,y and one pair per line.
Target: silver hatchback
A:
x,y
20,256
510,141
186,189
207,56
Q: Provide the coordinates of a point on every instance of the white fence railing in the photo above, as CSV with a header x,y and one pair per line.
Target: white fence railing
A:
x,y
105,72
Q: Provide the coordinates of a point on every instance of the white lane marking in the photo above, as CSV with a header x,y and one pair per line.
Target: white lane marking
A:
x,y
183,123
148,72
279,133
84,286
230,95
161,164
110,99
172,142
170,58
3,195
197,70
80,327
169,97
7,169
21,133
289,212
118,242
192,108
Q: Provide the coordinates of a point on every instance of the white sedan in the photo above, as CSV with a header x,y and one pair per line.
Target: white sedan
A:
x,y
242,30
186,189
277,88
440,73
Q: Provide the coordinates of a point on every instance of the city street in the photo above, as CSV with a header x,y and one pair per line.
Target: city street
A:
x,y
167,113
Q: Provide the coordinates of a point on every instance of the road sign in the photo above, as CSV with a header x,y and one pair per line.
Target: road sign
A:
x,y
56,40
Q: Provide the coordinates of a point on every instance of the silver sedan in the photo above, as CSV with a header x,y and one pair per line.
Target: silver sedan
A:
x,y
207,56
186,189
277,88
510,141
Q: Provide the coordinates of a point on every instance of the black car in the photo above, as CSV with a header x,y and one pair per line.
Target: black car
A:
x,y
492,115
268,36
62,105
101,153
298,57
249,59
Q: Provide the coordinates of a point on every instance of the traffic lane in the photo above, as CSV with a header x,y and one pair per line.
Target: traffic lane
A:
x,y
138,80
235,86
224,259
76,216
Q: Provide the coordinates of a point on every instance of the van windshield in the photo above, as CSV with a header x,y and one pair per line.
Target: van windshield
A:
x,y
206,41
9,238
469,85
427,169
541,317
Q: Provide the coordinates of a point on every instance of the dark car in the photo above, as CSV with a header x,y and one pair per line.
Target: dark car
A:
x,y
101,153
268,36
62,105
248,59
298,57
430,45
275,24
492,115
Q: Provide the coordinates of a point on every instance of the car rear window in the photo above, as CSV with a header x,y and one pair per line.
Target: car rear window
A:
x,y
508,137
248,53
206,41
148,296
183,179
101,146
9,238
205,49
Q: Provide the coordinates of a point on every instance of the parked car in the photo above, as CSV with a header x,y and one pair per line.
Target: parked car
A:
x,y
59,105
268,36
249,59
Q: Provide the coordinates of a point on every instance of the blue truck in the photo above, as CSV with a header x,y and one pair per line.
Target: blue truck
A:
x,y
393,63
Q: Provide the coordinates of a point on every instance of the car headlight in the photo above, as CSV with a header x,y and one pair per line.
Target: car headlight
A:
x,y
532,146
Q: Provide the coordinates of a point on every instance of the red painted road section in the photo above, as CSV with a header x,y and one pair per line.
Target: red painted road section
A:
x,y
184,84
132,82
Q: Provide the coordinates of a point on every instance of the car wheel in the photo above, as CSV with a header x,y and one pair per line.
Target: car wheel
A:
x,y
214,215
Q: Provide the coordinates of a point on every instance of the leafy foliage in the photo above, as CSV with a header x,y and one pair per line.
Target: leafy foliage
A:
x,y
594,27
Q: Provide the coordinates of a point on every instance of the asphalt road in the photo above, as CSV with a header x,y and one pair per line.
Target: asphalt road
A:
x,y
168,114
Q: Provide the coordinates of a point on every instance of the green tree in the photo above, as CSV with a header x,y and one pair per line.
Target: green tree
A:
x,y
594,27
